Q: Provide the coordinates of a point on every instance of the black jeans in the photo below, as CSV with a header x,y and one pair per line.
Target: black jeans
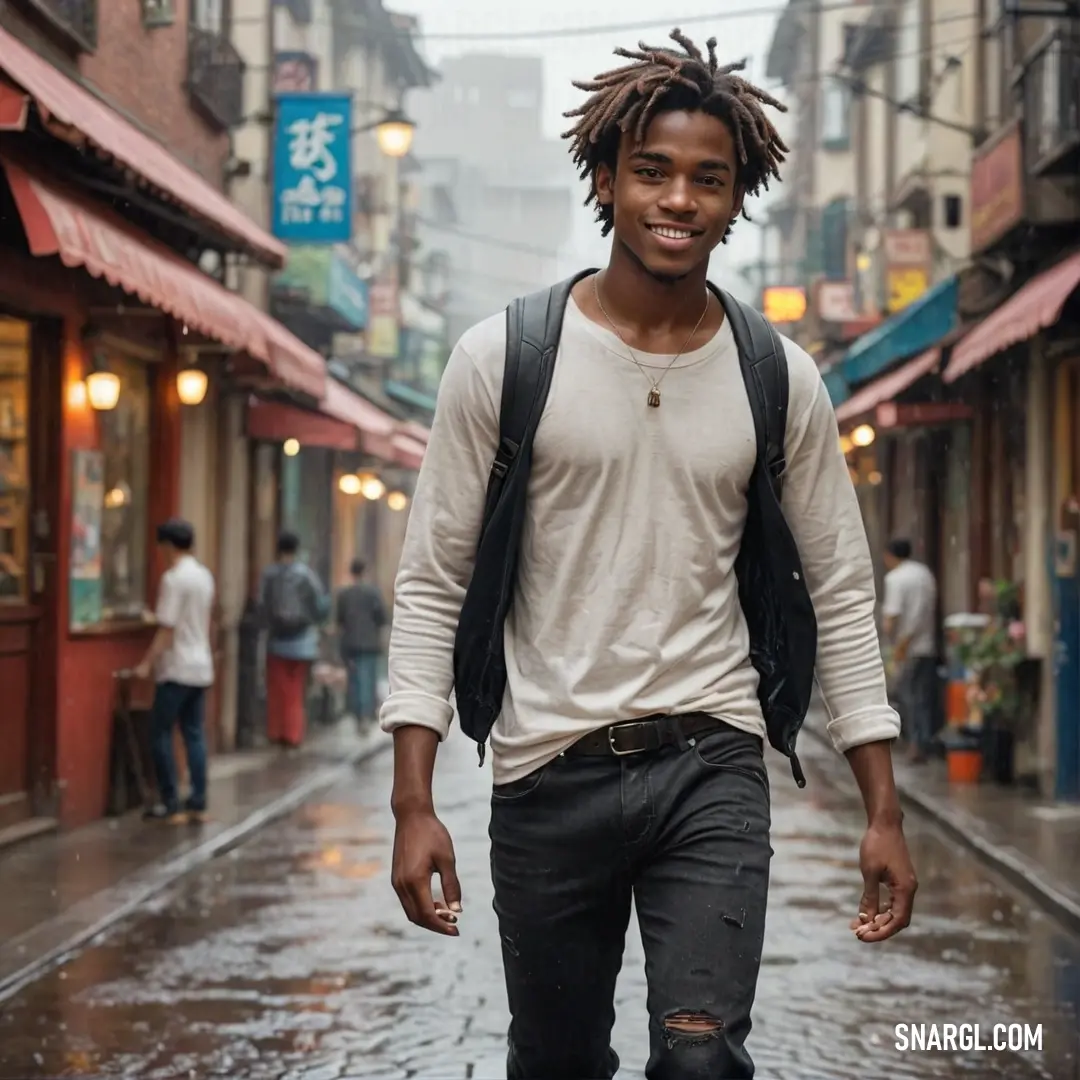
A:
x,y
686,834
175,703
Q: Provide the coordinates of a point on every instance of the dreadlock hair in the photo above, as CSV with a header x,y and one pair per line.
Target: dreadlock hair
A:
x,y
627,99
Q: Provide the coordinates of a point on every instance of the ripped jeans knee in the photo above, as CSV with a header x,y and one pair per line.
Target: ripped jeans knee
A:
x,y
692,1026
692,1044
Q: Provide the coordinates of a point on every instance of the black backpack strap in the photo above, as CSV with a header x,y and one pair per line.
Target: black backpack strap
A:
x,y
764,366
533,328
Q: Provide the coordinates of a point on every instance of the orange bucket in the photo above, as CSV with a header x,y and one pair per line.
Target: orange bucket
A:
x,y
956,707
965,766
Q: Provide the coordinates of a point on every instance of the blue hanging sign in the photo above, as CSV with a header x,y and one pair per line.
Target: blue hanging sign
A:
x,y
313,168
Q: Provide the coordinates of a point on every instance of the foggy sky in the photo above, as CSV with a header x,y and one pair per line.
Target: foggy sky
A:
x,y
568,58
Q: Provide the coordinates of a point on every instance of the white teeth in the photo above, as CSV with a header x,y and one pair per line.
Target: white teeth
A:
x,y
672,234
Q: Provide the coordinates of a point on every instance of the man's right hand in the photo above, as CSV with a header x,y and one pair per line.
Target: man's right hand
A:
x,y
422,847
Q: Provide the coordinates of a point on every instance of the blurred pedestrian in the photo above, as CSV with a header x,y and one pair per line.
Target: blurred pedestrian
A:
x,y
628,735
361,615
909,611
294,604
182,661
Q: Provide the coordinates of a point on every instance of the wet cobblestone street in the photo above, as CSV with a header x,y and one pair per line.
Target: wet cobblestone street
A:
x,y
290,958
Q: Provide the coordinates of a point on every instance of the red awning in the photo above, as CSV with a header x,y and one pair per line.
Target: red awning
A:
x,y
345,404
1036,306
407,451
274,421
107,247
416,431
76,115
14,108
888,386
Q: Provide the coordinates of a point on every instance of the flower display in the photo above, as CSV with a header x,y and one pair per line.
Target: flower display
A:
x,y
988,650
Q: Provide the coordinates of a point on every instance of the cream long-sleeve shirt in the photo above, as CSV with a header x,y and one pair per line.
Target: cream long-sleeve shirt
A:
x,y
627,600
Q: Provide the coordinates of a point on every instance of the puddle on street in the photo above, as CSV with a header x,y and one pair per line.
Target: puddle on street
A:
x,y
289,958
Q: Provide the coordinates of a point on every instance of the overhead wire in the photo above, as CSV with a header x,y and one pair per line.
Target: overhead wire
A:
x,y
596,29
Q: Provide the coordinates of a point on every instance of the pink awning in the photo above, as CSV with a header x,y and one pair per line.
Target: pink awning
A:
x,y
1036,306
345,404
416,431
75,114
274,421
888,386
407,451
68,225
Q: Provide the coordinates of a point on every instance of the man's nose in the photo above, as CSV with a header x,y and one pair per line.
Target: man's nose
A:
x,y
679,197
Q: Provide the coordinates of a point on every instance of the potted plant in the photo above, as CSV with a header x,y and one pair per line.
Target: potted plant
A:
x,y
991,655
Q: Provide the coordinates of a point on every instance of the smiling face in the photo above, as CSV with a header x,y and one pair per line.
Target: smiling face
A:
x,y
675,195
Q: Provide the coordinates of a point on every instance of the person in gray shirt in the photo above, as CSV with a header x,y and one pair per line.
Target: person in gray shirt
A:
x,y
294,604
361,615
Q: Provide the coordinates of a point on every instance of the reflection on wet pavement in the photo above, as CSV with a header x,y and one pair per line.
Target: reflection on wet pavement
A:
x,y
289,959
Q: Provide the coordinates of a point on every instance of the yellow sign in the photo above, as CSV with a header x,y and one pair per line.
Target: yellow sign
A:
x,y
906,285
784,303
383,336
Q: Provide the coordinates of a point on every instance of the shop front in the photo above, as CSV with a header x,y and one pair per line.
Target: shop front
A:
x,y
89,430
1022,356
101,323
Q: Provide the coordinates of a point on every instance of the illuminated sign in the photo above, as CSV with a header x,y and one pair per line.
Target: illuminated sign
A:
x,y
784,303
906,285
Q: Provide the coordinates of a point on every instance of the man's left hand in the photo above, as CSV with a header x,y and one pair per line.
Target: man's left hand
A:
x,y
142,671
884,860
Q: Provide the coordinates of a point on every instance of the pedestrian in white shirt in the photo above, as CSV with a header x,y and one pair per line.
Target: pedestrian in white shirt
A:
x,y
182,661
909,611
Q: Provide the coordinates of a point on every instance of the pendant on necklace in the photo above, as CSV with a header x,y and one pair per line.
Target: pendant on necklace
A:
x,y
654,398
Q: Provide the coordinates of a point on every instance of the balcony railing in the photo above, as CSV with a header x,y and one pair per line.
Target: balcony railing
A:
x,y
215,76
76,18
1051,98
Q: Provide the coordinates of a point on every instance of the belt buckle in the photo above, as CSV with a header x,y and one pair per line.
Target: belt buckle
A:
x,y
622,727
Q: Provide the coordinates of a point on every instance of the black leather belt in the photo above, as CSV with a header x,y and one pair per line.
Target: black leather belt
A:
x,y
639,736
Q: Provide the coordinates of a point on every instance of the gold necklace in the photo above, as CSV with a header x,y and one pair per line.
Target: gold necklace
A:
x,y
653,400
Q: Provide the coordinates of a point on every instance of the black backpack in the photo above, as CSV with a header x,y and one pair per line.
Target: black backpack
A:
x,y
772,590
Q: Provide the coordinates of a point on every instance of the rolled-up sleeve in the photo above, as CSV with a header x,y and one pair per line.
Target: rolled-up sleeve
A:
x,y
822,510
440,546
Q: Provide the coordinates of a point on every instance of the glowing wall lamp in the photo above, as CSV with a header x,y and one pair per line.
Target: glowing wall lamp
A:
x,y
191,384
291,447
863,435
371,487
397,500
394,134
103,390
350,484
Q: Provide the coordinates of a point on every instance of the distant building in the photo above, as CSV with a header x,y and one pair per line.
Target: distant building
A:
x,y
496,195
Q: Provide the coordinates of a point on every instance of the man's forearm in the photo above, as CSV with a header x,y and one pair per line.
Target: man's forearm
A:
x,y
872,765
162,640
415,748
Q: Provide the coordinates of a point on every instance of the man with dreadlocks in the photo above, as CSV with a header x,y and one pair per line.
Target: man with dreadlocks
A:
x,y
627,614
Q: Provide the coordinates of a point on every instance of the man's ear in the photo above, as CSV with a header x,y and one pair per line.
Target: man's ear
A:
x,y
605,185
737,205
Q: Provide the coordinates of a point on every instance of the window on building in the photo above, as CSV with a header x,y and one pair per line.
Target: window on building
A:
x,y
834,239
125,446
14,459
209,15
158,12
835,116
954,211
